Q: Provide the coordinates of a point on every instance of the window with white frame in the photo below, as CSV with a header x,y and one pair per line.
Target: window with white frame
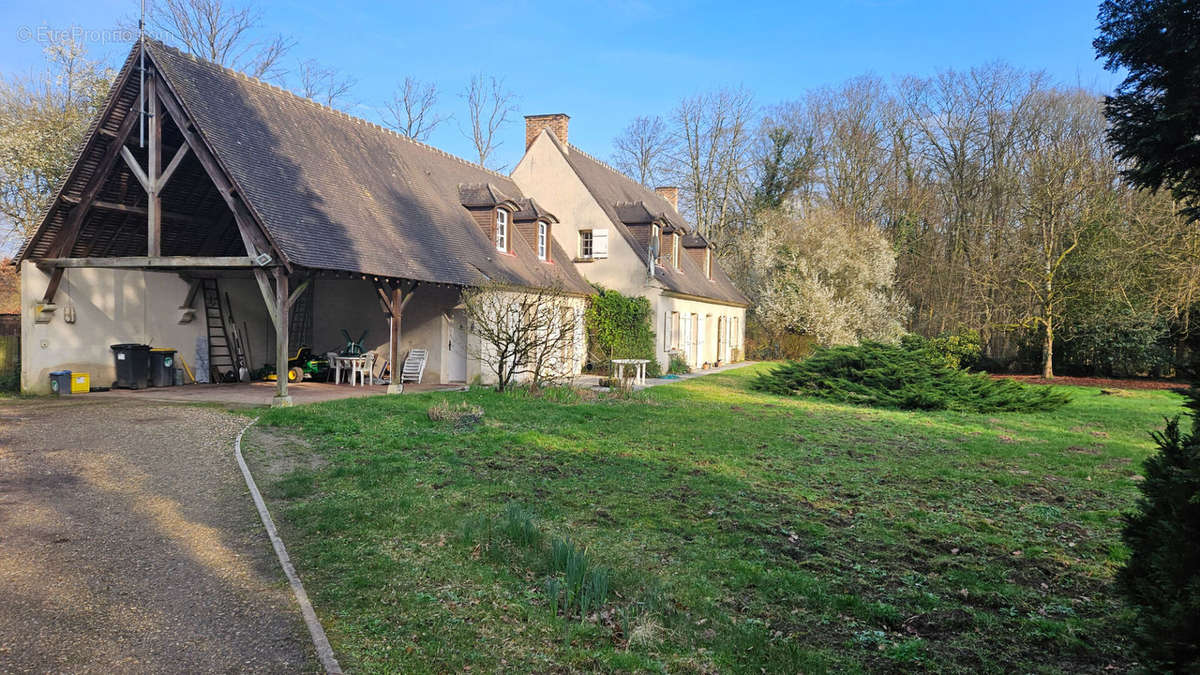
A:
x,y
542,245
675,250
585,244
654,235
502,230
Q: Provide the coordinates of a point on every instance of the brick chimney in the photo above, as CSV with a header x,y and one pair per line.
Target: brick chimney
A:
x,y
556,123
670,194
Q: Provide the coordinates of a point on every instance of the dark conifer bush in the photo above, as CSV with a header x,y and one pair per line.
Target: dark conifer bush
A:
x,y
888,376
1161,580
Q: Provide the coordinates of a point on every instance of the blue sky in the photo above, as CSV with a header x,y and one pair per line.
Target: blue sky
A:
x,y
604,63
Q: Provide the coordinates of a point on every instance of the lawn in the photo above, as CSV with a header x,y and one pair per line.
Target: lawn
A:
x,y
741,532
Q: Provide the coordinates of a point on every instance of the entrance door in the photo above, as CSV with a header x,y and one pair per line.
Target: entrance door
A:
x,y
686,338
456,346
720,335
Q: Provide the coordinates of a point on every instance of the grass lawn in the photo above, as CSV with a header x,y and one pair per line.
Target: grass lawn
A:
x,y
742,531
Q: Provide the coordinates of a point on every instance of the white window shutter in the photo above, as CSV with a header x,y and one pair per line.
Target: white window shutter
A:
x,y
580,341
599,243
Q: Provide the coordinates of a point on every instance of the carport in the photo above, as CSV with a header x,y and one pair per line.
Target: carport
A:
x,y
148,220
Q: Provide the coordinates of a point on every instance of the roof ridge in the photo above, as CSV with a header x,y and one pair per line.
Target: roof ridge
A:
x,y
322,106
602,163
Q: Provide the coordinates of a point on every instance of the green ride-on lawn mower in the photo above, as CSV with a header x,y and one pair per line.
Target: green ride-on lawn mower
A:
x,y
308,366
304,365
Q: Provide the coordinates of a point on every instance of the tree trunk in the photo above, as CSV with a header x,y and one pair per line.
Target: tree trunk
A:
x,y
1048,350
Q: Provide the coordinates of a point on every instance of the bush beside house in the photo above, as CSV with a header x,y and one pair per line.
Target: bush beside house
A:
x,y
619,327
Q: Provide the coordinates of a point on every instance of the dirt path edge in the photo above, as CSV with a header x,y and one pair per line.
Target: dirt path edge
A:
x,y
320,641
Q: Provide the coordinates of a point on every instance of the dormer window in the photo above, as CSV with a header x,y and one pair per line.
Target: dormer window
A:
x,y
708,263
654,236
675,250
543,244
502,230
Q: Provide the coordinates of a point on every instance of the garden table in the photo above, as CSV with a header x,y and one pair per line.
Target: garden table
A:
x,y
639,373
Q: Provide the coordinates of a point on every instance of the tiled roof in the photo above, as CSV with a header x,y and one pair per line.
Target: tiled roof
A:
x,y
338,192
531,210
482,195
613,190
335,192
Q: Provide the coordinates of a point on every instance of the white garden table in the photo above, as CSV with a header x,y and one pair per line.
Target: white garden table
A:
x,y
639,373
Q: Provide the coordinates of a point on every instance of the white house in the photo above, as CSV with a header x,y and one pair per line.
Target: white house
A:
x,y
627,237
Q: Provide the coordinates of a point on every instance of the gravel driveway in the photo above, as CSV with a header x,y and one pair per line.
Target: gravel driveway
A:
x,y
128,543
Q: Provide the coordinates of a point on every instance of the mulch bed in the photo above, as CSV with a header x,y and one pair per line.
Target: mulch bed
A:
x,y
1101,382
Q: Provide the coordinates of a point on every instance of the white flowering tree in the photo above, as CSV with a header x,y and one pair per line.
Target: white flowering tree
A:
x,y
822,274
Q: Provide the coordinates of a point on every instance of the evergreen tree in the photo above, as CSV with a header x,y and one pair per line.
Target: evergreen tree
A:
x,y
1162,578
1155,114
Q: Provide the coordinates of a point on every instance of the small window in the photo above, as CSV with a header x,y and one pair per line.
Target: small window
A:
x,y
654,235
542,244
502,230
585,244
675,250
708,263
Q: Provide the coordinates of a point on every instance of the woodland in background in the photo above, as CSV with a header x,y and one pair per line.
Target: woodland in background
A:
x,y
983,201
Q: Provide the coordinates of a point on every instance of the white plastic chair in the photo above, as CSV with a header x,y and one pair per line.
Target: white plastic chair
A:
x,y
335,366
364,369
414,366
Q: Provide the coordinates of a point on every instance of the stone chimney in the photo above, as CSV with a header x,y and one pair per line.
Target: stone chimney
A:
x,y
670,194
556,123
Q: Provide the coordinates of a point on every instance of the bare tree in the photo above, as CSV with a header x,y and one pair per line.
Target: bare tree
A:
x,y
523,332
221,32
1069,177
642,150
411,109
489,108
324,84
712,156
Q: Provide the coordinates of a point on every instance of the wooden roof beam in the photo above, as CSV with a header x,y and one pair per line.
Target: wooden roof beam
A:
x,y
147,262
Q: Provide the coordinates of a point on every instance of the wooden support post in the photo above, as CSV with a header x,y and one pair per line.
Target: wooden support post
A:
x,y
56,276
264,286
394,303
298,291
281,340
395,386
154,168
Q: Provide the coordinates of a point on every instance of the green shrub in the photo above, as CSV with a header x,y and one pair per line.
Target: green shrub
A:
x,y
1161,579
678,365
1114,341
620,327
956,350
890,376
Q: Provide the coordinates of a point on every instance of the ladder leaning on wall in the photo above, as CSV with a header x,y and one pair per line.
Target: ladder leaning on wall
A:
x,y
220,351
